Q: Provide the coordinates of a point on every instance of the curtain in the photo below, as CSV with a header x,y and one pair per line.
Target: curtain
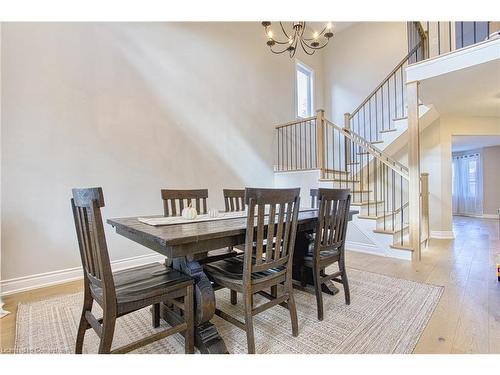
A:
x,y
467,187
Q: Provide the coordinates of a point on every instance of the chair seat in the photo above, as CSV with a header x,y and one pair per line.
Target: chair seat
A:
x,y
323,254
231,271
145,282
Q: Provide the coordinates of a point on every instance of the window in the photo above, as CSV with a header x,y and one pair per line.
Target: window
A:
x,y
467,188
304,77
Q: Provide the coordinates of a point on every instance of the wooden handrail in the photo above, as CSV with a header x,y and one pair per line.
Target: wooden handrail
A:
x,y
401,63
295,122
401,169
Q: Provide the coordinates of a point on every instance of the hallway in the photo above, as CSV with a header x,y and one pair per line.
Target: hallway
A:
x,y
467,319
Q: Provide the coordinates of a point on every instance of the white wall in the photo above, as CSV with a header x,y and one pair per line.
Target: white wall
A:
x,y
491,180
132,108
359,58
436,159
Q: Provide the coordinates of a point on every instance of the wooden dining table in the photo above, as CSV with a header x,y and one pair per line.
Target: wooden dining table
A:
x,y
184,244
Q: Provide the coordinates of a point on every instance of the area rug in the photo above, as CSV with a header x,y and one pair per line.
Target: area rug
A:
x,y
386,315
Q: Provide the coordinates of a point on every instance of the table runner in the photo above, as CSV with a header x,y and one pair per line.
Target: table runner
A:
x,y
172,220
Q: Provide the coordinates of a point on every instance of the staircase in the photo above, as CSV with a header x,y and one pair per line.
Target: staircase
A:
x,y
371,151
355,156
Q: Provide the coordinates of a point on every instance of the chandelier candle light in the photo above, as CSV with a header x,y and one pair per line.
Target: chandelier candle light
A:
x,y
297,36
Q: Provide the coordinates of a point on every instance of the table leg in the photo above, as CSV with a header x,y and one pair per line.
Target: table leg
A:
x,y
207,338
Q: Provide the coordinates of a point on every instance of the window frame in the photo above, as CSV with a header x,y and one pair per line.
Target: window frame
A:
x,y
308,71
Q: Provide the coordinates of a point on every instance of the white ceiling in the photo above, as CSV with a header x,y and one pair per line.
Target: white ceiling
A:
x,y
473,142
474,91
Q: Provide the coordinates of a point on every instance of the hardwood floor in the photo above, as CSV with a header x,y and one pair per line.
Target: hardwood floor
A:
x,y
466,320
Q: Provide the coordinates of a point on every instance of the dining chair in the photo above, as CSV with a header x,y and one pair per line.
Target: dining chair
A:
x,y
254,271
122,292
327,246
174,201
234,199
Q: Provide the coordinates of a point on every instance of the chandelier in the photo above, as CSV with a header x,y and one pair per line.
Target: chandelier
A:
x,y
310,41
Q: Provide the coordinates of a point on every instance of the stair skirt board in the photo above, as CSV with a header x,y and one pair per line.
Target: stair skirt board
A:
x,y
381,244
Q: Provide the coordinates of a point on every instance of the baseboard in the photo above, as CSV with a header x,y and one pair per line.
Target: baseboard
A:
x,y
362,247
490,216
482,216
442,234
41,280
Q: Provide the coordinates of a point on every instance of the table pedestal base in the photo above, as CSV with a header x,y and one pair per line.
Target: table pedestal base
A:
x,y
206,336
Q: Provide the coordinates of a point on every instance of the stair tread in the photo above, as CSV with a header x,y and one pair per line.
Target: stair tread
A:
x,y
389,231
400,118
326,179
376,142
401,247
388,130
365,203
369,217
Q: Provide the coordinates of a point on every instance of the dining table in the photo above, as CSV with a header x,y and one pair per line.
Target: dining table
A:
x,y
185,243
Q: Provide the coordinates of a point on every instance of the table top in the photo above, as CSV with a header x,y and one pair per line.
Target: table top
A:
x,y
180,234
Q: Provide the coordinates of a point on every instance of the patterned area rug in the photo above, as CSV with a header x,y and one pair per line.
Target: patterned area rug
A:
x,y
386,315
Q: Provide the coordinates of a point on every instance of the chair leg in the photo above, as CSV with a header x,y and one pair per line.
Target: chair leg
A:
x,y
108,330
189,318
155,313
234,297
345,283
274,291
249,322
84,325
293,310
303,281
319,293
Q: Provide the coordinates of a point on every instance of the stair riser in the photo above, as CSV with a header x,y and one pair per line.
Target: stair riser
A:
x,y
397,237
371,210
362,196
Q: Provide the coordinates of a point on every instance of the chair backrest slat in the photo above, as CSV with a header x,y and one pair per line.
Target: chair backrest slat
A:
x,y
277,232
334,205
86,205
271,254
234,199
174,201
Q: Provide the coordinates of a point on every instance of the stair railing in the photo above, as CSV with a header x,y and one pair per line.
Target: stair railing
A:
x,y
297,145
385,104
438,38
377,182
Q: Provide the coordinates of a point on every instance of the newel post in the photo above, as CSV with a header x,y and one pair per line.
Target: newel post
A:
x,y
424,188
414,168
347,142
320,140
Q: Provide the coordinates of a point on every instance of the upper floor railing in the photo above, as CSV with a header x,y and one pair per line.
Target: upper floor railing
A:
x,y
438,38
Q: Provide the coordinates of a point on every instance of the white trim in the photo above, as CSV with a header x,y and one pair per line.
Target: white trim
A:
x,y
24,283
490,216
482,216
455,60
312,88
362,247
442,234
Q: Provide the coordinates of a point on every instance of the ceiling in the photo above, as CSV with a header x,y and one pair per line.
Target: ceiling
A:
x,y
474,91
473,142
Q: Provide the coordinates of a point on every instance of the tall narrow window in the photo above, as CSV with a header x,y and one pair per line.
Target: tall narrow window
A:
x,y
304,77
